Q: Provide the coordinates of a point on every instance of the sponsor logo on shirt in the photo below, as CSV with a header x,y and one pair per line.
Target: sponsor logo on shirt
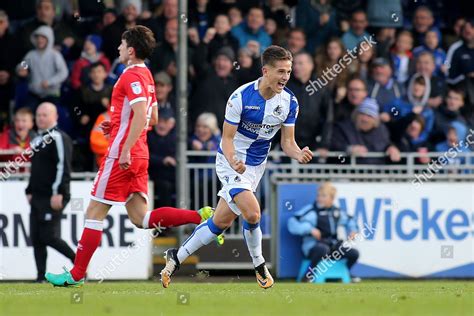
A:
x,y
136,87
252,107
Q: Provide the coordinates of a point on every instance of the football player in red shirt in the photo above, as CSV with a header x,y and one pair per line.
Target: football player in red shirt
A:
x,y
123,176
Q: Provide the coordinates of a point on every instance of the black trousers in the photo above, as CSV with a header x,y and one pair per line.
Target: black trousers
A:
x,y
45,230
318,252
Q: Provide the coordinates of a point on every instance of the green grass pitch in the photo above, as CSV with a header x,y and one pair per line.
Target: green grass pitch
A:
x,y
449,298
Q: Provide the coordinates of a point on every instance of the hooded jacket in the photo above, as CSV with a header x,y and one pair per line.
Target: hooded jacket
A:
x,y
47,64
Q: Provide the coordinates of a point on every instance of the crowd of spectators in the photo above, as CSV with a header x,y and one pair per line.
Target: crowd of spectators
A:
x,y
410,90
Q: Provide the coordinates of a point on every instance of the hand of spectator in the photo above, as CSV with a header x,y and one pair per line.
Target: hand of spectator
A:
x,y
105,102
323,152
316,233
238,165
385,117
22,72
56,202
305,155
340,94
171,69
358,150
323,18
4,76
28,197
435,102
169,161
193,35
417,109
44,84
85,119
393,153
423,158
197,145
68,41
254,47
145,15
105,127
210,33
125,159
352,235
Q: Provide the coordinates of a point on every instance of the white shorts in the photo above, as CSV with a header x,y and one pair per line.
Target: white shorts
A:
x,y
233,182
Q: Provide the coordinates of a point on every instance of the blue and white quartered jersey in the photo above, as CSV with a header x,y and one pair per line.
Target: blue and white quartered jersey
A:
x,y
258,120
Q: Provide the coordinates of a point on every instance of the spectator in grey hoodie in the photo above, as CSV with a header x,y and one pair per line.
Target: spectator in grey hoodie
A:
x,y
44,68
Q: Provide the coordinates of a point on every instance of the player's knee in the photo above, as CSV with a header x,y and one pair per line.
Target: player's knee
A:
x,y
137,222
253,217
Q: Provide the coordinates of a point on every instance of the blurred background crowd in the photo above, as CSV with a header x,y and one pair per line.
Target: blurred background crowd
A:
x,y
405,80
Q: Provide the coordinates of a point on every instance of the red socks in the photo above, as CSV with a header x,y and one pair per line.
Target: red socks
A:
x,y
169,217
88,244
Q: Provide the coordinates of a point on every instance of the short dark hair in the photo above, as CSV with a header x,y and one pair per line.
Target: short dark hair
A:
x,y
420,80
25,111
141,39
458,90
274,53
97,64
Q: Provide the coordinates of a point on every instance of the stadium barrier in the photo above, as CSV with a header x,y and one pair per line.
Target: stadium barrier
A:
x,y
125,251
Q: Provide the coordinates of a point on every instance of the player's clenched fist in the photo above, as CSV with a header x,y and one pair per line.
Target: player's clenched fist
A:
x,y
105,127
305,155
238,165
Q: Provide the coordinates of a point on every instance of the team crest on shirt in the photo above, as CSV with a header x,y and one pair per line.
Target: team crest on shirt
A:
x,y
237,179
278,110
136,87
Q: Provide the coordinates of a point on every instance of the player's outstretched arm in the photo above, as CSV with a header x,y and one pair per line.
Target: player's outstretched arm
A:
x,y
291,149
138,123
228,148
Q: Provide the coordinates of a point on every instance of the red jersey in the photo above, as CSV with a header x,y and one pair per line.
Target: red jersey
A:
x,y
136,84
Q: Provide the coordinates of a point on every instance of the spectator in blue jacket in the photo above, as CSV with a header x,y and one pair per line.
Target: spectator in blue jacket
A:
x,y
319,224
253,30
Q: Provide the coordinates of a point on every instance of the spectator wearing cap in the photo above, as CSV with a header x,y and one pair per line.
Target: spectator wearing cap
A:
x,y
216,83
163,88
382,86
253,30
8,59
364,133
162,147
357,33
91,53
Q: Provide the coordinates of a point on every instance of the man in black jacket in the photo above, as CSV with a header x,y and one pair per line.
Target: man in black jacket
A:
x,y
316,110
48,189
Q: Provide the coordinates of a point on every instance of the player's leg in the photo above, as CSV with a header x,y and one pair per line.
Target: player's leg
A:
x,y
202,235
248,205
90,240
53,238
39,249
161,217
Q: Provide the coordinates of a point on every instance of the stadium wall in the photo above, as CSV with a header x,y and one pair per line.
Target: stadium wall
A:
x,y
125,251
